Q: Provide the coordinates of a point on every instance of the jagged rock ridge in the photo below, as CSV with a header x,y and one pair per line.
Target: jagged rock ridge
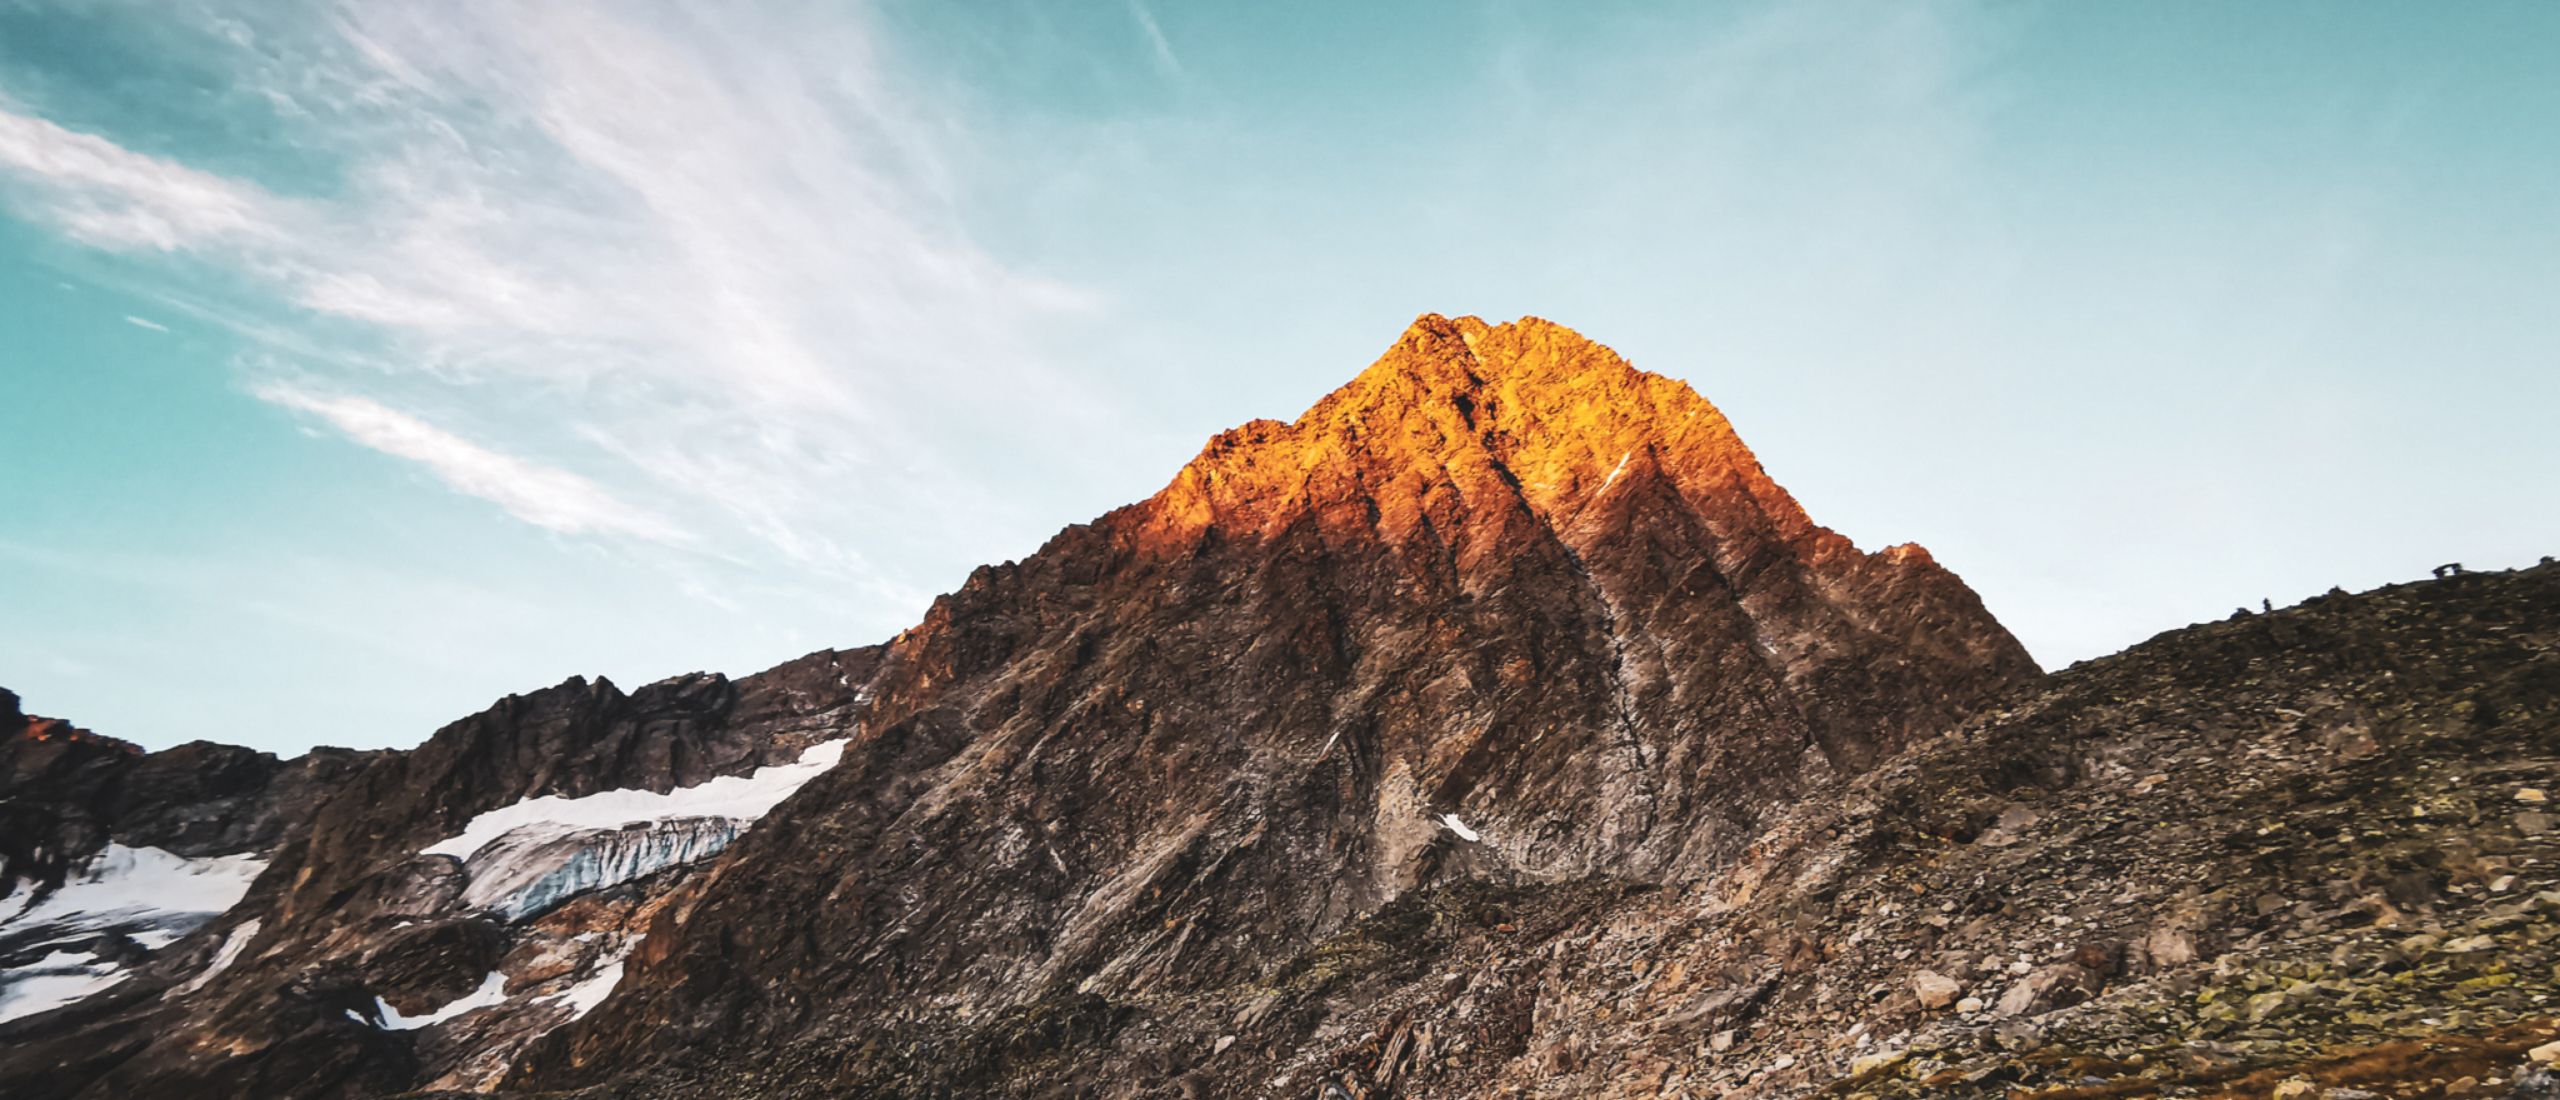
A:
x,y
108,852
1502,610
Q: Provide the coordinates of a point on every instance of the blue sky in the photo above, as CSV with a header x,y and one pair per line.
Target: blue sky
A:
x,y
367,361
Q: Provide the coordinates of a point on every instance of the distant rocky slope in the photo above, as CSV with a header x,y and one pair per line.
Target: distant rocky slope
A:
x,y
1496,728
107,852
354,963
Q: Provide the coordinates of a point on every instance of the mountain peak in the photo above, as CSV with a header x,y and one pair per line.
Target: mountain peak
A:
x,y
1466,356
1461,424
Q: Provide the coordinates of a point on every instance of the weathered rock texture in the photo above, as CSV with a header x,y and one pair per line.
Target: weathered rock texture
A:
x,y
1502,617
67,795
1502,575
2315,844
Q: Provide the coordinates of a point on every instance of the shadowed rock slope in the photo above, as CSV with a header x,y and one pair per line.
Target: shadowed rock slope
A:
x,y
1504,614
66,793
2312,850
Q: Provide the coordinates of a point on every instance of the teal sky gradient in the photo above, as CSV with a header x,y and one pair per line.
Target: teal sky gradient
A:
x,y
367,361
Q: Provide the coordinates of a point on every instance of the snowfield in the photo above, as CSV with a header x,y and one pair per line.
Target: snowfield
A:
x,y
147,894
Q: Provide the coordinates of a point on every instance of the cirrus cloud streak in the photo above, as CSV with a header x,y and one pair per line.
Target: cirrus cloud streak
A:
x,y
537,494
104,195
708,259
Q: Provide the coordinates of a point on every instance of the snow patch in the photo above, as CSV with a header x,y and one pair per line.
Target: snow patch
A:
x,y
231,948
583,997
743,797
493,990
123,884
58,979
1459,827
148,894
1613,474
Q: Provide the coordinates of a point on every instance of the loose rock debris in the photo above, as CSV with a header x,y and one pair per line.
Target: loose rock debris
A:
x,y
2289,851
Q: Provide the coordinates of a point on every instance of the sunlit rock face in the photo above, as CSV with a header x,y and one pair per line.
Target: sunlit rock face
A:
x,y
1502,583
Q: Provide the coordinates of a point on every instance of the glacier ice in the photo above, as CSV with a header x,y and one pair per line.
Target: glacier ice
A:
x,y
526,857
744,797
535,867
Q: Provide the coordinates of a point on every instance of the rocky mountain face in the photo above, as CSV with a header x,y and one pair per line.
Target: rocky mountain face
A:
x,y
77,809
1501,609
1496,728
65,793
343,969
2308,854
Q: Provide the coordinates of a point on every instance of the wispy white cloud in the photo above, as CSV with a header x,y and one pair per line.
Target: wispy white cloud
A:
x,y
718,248
104,195
726,205
1165,59
154,326
537,494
